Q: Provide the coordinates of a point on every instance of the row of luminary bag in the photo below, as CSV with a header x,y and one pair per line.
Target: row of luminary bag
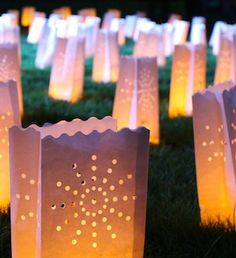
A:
x,y
67,76
80,187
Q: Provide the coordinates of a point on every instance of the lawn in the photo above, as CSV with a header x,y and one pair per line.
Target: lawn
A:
x,y
173,227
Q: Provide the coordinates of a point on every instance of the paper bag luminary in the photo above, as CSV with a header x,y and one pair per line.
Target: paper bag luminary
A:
x,y
174,17
9,31
198,31
136,99
64,12
226,64
188,76
27,15
90,33
180,32
47,45
87,12
106,57
67,75
143,25
108,16
130,24
151,44
9,19
36,30
9,116
214,42
214,135
167,34
10,68
15,16
118,25
95,210
10,34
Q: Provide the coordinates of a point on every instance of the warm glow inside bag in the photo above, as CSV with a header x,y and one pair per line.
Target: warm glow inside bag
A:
x,y
9,116
151,44
67,74
188,76
106,57
27,15
10,68
226,64
79,192
136,98
214,135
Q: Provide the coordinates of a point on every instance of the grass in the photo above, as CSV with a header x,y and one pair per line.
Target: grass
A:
x,y
173,224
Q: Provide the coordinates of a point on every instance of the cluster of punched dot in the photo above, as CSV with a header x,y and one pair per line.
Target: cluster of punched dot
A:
x,y
84,199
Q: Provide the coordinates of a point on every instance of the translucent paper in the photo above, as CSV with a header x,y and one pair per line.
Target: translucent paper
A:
x,y
198,31
67,75
36,30
151,44
181,29
187,77
106,58
27,15
214,136
136,99
226,59
91,188
10,68
9,116
87,12
47,45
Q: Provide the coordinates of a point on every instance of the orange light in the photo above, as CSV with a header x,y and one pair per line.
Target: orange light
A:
x,y
187,77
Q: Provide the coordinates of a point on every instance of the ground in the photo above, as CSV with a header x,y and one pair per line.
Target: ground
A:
x,y
173,224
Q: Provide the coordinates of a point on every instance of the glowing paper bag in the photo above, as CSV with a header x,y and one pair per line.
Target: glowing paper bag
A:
x,y
64,12
214,42
143,25
9,19
10,34
98,208
26,174
9,116
89,32
36,30
72,25
87,12
151,44
181,29
118,25
136,98
226,63
174,17
198,31
67,75
108,16
27,15
167,30
214,136
14,16
46,46
106,58
130,24
10,68
188,76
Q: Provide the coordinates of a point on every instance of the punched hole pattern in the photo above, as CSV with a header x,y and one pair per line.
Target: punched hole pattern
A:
x,y
83,212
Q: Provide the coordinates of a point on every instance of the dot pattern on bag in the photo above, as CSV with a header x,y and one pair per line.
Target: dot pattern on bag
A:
x,y
88,206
